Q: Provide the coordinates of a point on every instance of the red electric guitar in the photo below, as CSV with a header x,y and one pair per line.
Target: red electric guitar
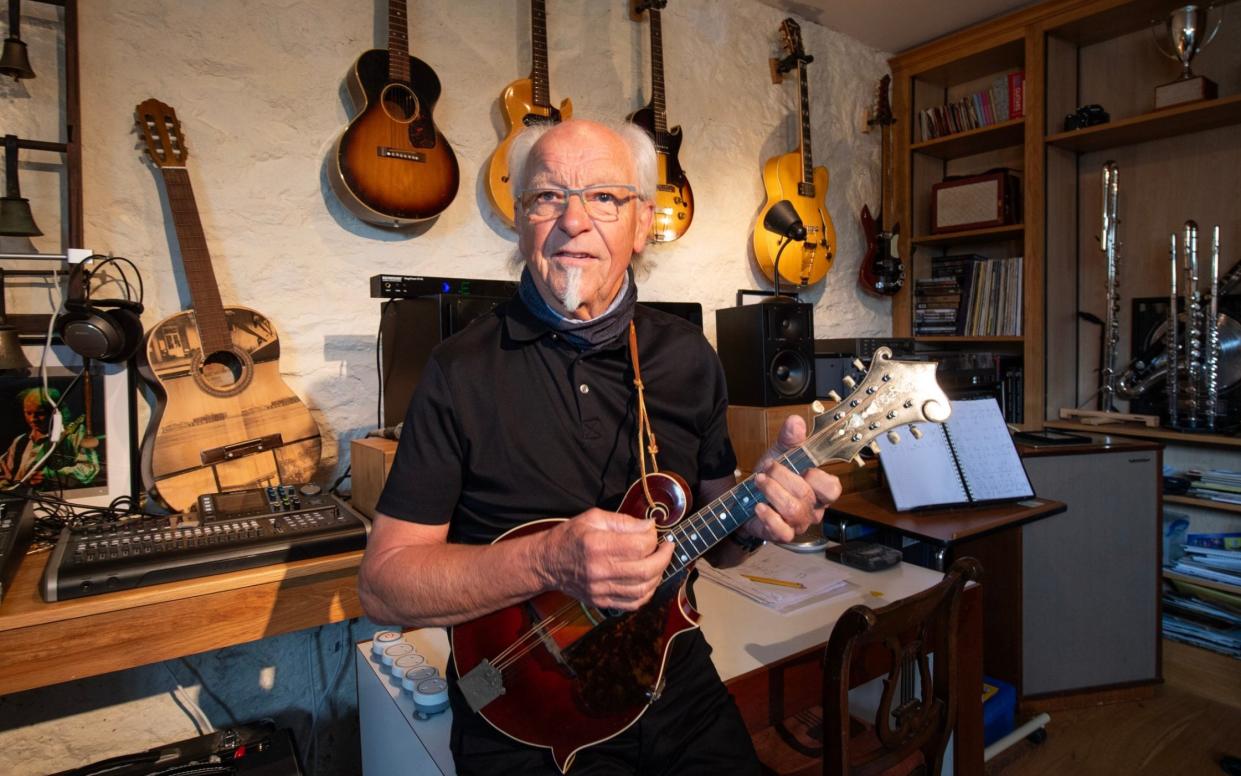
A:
x,y
882,272
554,672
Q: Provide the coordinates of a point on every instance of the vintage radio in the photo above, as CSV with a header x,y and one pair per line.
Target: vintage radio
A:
x,y
976,202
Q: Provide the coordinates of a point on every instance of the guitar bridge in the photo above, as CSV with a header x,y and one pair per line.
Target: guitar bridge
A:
x,y
482,685
216,455
396,153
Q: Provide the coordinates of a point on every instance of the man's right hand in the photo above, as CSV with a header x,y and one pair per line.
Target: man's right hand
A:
x,y
606,559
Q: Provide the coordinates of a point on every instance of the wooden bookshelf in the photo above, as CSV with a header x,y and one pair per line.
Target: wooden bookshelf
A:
x,y
1223,587
972,236
963,340
1143,432
1202,503
973,141
1169,122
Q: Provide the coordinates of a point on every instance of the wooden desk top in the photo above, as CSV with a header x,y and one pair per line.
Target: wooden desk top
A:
x,y
942,526
42,644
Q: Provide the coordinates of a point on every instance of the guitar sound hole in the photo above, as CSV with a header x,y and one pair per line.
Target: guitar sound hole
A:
x,y
222,370
400,103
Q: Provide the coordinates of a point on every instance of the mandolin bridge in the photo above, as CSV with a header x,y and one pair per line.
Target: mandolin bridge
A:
x,y
481,685
396,153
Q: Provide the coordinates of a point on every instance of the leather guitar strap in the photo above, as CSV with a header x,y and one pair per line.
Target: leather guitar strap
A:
x,y
644,421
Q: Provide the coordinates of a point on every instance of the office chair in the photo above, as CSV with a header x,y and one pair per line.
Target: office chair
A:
x,y
903,738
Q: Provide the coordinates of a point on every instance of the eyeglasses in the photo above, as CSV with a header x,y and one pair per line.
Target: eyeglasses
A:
x,y
602,201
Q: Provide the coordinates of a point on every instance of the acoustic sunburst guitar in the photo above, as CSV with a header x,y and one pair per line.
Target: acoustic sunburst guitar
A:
x,y
392,166
674,199
224,419
526,101
555,673
794,177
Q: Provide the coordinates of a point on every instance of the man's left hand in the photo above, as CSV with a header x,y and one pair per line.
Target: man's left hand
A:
x,y
793,502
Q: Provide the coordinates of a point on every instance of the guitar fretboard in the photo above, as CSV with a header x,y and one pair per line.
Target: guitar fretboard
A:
x,y
204,292
398,42
807,156
538,71
657,79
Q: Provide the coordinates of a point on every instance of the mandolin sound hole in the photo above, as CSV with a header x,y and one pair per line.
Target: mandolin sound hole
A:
x,y
400,103
222,370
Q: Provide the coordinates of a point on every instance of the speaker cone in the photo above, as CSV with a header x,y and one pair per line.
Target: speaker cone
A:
x,y
789,373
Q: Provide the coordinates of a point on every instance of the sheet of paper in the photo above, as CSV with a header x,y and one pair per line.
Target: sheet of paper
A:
x,y
921,472
772,577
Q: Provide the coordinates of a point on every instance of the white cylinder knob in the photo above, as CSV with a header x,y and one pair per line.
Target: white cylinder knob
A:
x,y
383,640
415,675
406,662
396,650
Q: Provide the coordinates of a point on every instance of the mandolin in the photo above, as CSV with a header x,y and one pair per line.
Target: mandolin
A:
x,y
392,166
674,199
223,419
556,673
794,177
882,272
526,101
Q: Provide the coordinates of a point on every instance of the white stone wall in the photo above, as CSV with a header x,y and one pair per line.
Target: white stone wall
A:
x,y
259,88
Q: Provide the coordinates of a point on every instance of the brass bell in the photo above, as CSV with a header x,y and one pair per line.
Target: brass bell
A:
x,y
12,359
15,62
15,217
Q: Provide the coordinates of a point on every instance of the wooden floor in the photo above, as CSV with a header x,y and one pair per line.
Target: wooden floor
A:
x,y
1194,718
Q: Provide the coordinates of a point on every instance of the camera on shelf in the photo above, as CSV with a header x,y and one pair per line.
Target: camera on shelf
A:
x,y
1086,116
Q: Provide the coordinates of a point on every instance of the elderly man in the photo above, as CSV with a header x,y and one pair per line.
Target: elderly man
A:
x,y
533,413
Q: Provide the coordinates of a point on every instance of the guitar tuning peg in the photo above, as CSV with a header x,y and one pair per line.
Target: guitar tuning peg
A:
x,y
848,381
874,448
894,437
817,407
916,432
858,365
834,396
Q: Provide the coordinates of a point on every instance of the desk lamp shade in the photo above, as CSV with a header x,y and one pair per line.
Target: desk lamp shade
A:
x,y
12,359
15,217
783,220
15,62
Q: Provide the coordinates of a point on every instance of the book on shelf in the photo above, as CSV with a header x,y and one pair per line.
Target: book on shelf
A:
x,y
1003,101
968,459
1220,541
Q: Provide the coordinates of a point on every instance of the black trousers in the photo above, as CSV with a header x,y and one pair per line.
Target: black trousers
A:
x,y
694,728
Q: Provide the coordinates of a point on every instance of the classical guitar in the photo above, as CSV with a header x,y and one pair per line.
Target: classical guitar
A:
x,y
882,272
555,673
526,101
674,199
392,166
224,419
794,177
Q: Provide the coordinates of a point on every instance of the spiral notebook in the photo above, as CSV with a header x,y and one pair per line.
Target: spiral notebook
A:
x,y
970,459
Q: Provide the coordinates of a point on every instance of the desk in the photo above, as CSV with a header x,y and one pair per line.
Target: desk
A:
x,y
770,662
42,644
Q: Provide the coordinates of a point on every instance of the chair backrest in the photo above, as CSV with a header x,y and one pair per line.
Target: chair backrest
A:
x,y
911,629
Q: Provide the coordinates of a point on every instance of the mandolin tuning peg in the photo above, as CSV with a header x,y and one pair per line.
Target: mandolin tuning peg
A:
x,y
848,381
894,437
858,460
817,407
916,432
833,396
874,448
858,365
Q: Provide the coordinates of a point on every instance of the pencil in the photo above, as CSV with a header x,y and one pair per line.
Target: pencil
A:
x,y
770,581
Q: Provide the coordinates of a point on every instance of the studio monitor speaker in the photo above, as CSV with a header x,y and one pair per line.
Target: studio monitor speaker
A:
x,y
768,353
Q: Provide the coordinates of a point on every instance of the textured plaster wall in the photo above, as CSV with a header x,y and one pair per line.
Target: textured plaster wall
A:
x,y
259,89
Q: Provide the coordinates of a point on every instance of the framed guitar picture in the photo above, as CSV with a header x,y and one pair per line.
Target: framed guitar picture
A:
x,y
92,461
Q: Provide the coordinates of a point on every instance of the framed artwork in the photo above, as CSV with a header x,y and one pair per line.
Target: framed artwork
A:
x,y
93,459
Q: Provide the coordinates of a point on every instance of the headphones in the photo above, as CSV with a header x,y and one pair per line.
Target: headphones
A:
x,y
107,330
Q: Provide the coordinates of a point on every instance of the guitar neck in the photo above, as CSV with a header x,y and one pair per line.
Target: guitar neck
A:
x,y
540,85
807,155
204,292
658,107
398,41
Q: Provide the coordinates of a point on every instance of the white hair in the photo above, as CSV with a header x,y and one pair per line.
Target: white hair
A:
x,y
641,150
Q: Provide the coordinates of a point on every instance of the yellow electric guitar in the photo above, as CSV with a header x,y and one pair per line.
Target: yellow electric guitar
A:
x,y
526,101
794,177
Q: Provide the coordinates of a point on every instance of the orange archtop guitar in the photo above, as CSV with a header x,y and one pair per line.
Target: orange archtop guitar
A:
x,y
224,419
526,101
794,177
555,673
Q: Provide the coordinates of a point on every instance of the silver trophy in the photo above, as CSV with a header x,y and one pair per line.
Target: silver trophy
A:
x,y
1186,35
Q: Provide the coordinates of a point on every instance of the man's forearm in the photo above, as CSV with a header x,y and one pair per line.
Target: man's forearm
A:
x,y
446,584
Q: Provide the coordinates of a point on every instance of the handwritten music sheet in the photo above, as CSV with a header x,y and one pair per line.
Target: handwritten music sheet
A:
x,y
990,466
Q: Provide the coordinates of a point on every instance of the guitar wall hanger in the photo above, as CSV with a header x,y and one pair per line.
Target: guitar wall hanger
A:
x,y
781,65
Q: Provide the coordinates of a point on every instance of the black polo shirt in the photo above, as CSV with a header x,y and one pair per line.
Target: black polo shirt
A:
x,y
510,423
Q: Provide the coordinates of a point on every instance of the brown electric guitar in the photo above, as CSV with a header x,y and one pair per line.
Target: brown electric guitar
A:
x,y
674,199
224,419
391,165
794,177
554,672
526,101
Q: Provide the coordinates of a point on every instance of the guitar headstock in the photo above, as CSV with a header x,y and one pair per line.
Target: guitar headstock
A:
x,y
790,38
639,7
892,394
883,106
161,132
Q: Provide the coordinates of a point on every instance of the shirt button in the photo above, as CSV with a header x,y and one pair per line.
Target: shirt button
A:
x,y
584,388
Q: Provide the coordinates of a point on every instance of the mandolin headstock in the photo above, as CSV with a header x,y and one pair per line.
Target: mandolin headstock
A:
x,y
161,133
